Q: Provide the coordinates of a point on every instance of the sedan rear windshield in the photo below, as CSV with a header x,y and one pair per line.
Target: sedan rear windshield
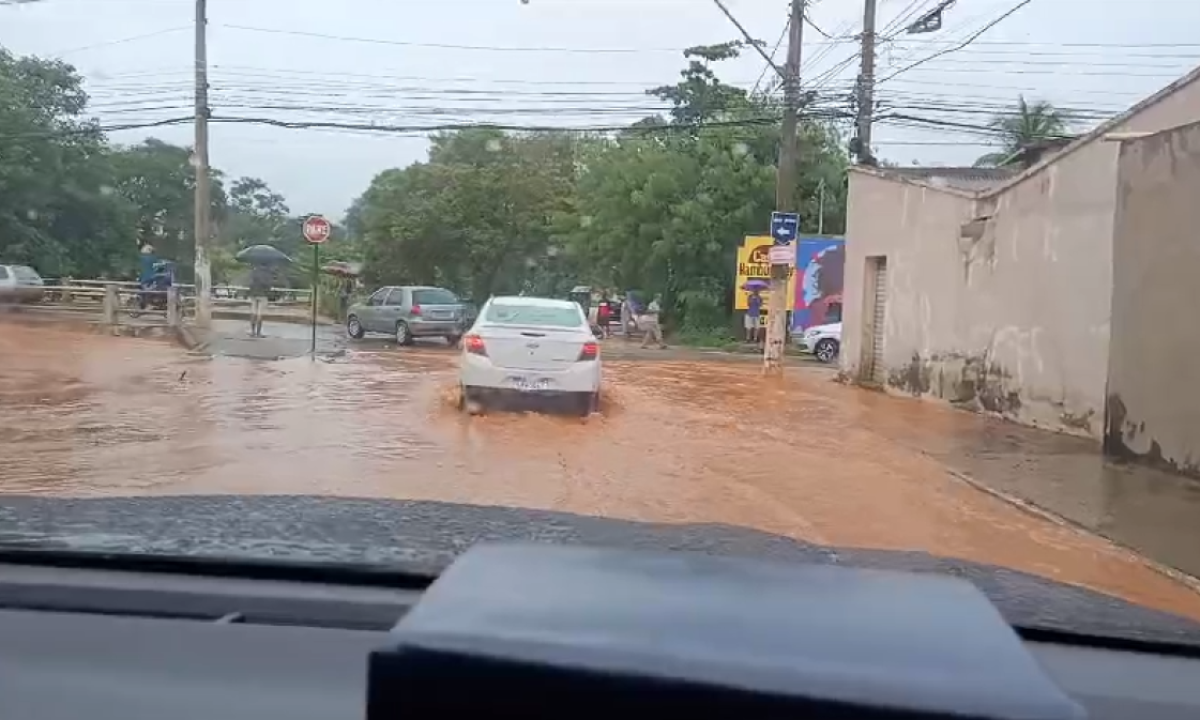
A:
x,y
434,296
535,315
25,273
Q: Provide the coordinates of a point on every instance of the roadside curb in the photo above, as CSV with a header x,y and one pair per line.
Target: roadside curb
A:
x,y
1039,512
185,337
272,317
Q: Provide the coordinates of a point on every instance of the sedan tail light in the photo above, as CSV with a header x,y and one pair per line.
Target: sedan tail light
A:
x,y
590,351
474,345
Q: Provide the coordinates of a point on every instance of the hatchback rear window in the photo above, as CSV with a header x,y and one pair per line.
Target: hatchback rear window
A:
x,y
536,315
434,296
25,273
3,273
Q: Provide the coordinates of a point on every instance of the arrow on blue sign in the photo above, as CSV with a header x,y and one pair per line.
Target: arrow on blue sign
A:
x,y
784,227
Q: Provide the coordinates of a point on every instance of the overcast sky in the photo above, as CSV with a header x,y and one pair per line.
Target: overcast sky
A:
x,y
579,63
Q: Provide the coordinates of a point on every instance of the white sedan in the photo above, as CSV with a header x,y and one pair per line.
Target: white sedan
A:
x,y
531,349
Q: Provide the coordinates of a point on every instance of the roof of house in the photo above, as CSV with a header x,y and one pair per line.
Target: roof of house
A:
x,y
963,178
1096,133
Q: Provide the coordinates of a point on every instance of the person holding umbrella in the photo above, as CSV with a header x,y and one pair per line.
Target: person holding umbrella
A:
x,y
263,260
754,303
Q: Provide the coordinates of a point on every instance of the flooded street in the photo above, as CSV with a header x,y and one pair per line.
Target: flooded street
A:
x,y
87,416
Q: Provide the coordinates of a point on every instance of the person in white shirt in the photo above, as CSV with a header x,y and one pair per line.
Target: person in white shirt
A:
x,y
649,324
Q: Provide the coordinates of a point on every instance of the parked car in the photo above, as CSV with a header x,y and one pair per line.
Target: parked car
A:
x,y
406,313
538,349
823,341
21,284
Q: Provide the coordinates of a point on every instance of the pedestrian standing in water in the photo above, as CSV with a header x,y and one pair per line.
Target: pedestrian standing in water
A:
x,y
628,315
261,279
753,314
344,292
604,315
649,323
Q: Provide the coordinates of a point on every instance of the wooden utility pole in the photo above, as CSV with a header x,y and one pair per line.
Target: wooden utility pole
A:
x,y
785,192
203,220
866,88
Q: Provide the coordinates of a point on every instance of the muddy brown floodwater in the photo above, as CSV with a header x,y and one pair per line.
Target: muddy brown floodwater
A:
x,y
88,415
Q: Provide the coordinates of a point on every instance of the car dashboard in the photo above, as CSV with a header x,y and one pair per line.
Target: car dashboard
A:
x,y
126,639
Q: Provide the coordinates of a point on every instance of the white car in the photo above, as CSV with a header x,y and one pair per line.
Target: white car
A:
x,y
531,348
823,341
20,283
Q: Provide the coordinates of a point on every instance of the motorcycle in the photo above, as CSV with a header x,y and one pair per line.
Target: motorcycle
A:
x,y
152,296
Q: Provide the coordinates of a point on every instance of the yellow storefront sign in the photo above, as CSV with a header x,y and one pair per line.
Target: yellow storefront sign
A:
x,y
753,264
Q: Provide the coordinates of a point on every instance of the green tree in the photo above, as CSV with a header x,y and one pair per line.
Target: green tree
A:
x,y
664,207
660,206
57,209
700,95
1028,125
476,216
158,180
71,204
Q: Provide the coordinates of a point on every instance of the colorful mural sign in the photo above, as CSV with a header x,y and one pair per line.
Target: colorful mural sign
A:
x,y
753,263
820,269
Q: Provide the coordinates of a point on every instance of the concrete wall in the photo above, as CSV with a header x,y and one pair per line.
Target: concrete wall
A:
x,y
1154,368
988,322
1014,318
915,228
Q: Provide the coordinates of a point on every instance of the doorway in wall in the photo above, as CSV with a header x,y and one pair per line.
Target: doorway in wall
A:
x,y
873,368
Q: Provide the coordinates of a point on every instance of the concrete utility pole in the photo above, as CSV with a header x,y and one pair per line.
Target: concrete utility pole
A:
x,y
866,87
785,191
203,227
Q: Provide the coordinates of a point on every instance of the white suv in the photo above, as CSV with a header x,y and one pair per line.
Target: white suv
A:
x,y
823,341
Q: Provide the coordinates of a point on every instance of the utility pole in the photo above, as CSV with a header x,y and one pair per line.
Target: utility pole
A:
x,y
866,88
785,191
203,220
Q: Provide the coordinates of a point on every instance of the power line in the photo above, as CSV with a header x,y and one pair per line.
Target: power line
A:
x,y
961,45
902,19
774,51
751,41
448,46
122,41
391,128
814,26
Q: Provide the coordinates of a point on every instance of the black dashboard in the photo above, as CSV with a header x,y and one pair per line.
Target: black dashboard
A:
x,y
172,641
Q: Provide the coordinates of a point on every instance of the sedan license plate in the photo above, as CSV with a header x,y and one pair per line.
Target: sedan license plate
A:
x,y
524,384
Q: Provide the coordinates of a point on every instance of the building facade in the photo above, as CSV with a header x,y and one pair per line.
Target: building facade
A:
x,y
1153,401
997,295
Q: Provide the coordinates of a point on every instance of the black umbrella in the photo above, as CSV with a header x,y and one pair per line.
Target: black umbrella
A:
x,y
263,255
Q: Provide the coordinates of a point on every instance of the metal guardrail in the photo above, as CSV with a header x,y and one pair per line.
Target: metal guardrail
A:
x,y
114,300
219,292
118,301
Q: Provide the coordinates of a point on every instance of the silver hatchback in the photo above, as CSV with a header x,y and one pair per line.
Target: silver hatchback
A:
x,y
408,312
20,284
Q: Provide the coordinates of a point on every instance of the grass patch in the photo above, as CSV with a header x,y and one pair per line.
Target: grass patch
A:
x,y
706,337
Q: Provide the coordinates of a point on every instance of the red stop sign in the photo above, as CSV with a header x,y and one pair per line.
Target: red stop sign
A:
x,y
316,229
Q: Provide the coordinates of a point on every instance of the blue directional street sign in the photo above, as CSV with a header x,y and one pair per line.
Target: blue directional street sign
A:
x,y
784,227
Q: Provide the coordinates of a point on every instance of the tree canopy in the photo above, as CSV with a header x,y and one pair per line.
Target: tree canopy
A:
x,y
74,204
660,207
1025,127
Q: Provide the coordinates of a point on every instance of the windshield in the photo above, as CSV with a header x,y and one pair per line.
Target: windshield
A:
x,y
434,297
995,384
510,313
